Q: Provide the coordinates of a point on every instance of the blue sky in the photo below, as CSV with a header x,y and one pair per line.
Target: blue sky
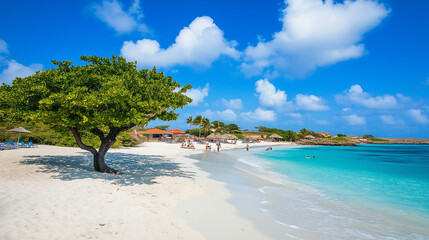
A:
x,y
352,67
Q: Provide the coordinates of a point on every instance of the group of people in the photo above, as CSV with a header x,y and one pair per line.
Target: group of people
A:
x,y
267,149
209,147
188,145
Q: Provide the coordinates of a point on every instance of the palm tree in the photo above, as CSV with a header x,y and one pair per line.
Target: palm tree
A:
x,y
218,125
189,121
206,125
198,121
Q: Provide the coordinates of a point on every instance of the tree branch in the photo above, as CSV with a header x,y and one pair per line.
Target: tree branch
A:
x,y
125,128
79,142
154,114
98,132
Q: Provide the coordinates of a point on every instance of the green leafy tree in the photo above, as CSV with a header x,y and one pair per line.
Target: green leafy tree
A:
x,y
265,129
304,132
232,127
289,135
162,127
218,126
105,98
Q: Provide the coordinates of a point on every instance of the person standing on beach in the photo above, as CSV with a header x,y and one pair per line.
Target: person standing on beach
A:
x,y
247,147
218,146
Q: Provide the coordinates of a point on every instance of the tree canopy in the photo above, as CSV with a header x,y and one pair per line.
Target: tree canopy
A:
x,y
105,97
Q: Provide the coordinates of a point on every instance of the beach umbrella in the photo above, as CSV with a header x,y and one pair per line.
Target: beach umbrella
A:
x,y
275,136
19,130
231,137
211,136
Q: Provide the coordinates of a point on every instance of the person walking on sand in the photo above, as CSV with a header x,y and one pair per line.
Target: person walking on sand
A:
x,y
218,146
247,147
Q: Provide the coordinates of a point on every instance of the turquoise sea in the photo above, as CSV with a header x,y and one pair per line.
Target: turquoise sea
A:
x,y
362,192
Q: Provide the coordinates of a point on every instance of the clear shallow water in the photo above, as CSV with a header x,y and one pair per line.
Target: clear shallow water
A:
x,y
363,192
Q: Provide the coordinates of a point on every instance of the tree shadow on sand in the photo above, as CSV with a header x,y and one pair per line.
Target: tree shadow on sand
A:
x,y
135,169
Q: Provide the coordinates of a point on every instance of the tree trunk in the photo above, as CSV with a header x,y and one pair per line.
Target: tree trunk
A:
x,y
106,142
99,162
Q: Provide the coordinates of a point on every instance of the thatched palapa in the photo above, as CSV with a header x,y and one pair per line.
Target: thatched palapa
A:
x,y
253,137
275,136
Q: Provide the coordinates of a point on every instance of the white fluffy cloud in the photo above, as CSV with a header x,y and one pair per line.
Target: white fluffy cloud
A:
x,y
122,21
260,115
199,44
387,119
310,103
418,116
227,115
15,69
197,94
3,47
354,120
357,96
268,94
315,33
233,103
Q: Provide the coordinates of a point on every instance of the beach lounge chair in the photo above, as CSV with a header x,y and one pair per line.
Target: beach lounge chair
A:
x,y
23,145
30,144
12,145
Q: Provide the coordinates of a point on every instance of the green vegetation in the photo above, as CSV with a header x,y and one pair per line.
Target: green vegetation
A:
x,y
378,139
372,138
104,98
239,135
162,127
287,135
339,139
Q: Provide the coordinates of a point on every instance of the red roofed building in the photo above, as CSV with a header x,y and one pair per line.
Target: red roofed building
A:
x,y
155,134
176,131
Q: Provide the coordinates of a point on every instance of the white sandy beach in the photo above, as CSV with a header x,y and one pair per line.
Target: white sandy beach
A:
x,y
50,193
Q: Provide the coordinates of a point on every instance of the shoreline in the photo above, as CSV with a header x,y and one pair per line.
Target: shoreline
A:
x,y
357,141
246,200
53,192
166,192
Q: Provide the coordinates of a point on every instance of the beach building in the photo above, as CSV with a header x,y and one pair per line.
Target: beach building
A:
x,y
274,137
253,138
155,134
309,137
176,132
